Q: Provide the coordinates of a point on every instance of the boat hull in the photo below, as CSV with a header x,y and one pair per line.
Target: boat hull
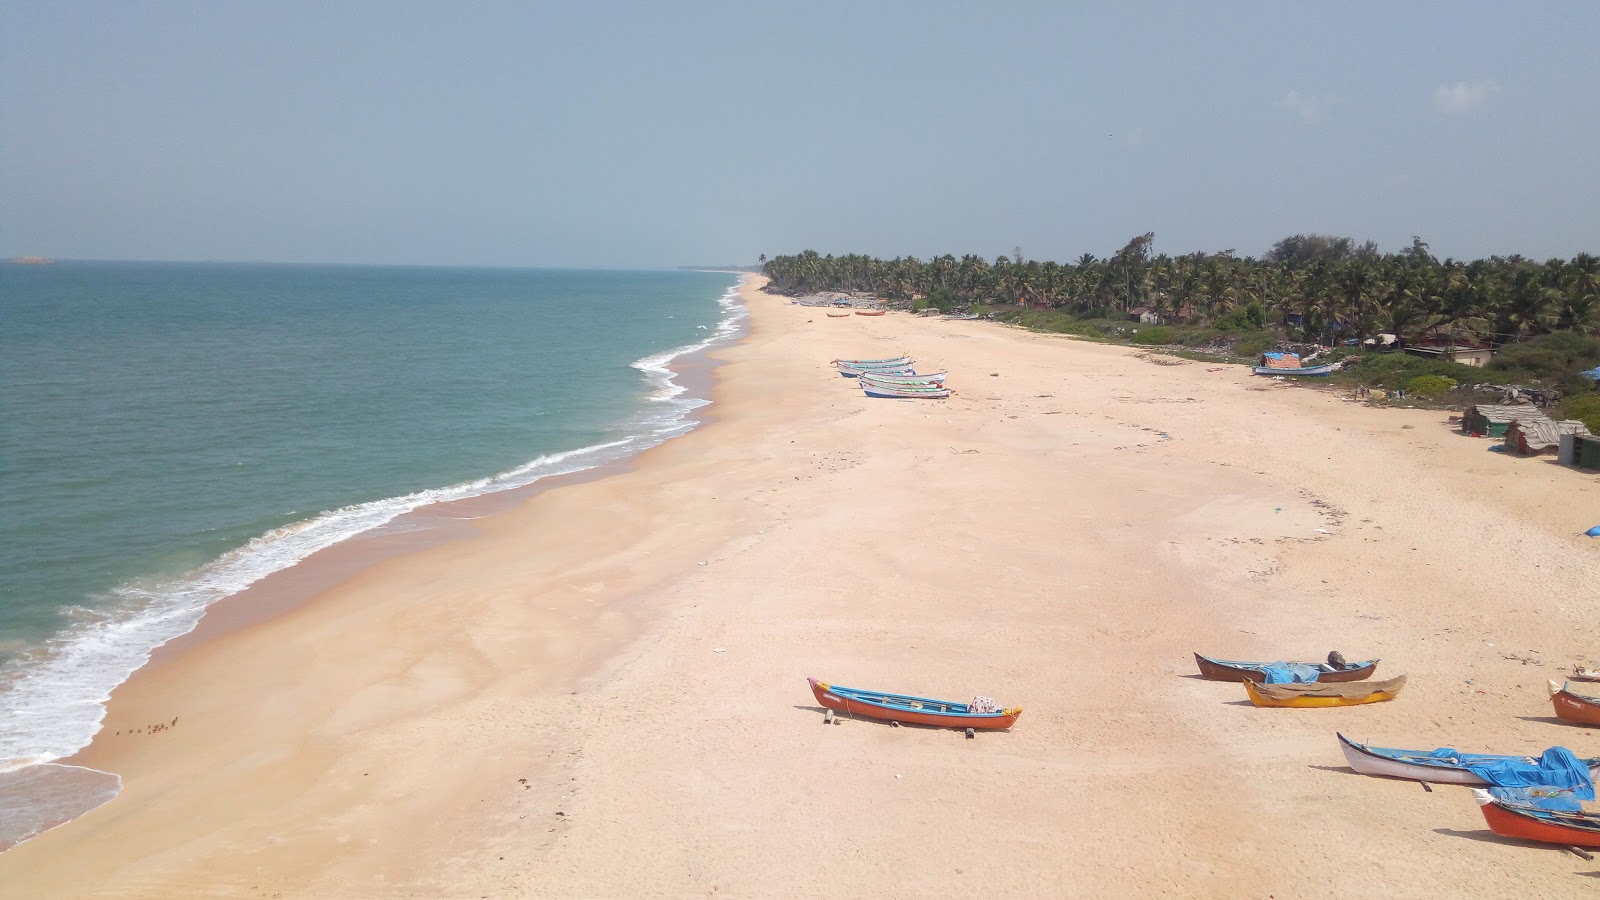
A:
x,y
910,378
1544,826
1232,670
870,312
1369,763
1574,708
1307,699
1307,372
853,372
893,393
874,363
852,702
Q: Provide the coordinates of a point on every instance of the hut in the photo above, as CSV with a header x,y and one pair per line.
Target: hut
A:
x,y
1532,433
1491,419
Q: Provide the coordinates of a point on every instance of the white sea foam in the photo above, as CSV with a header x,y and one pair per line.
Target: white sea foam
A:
x,y
54,699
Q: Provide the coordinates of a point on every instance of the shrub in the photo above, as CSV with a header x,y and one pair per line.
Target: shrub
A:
x,y
1549,355
1253,344
1155,334
1585,408
1430,387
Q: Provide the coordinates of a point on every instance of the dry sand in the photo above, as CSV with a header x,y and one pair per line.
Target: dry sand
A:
x,y
603,693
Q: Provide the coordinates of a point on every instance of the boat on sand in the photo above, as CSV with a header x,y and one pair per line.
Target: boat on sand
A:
x,y
905,709
1573,707
870,312
905,391
1234,670
1435,766
1518,818
906,378
1308,371
1317,694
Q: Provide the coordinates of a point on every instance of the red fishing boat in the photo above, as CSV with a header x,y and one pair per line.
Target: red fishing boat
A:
x,y
1572,707
1530,823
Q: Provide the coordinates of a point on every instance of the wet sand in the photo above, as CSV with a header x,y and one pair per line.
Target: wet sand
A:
x,y
600,692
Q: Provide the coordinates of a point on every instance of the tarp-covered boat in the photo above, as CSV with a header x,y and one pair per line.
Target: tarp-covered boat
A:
x,y
1311,371
1514,814
1318,694
1448,766
910,710
1574,707
1234,670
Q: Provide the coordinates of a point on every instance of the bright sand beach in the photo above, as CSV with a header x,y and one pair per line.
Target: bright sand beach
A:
x,y
601,692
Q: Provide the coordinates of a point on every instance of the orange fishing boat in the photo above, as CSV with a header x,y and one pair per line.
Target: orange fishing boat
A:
x,y
870,312
1510,818
1316,695
905,709
1572,707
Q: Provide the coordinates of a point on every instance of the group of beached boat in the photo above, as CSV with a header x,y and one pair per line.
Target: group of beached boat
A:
x,y
896,378
1527,797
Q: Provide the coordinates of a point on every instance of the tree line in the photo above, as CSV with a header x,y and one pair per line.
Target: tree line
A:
x,y
1322,287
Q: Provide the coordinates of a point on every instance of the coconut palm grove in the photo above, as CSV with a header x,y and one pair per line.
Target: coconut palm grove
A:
x,y
1541,317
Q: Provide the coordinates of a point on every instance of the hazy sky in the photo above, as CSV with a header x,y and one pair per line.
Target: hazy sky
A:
x,y
528,133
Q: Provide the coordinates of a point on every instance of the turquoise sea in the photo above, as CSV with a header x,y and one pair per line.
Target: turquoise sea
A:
x,y
171,433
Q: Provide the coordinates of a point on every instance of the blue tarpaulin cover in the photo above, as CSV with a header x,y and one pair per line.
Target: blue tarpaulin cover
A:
x,y
1290,673
1592,373
1558,767
1560,799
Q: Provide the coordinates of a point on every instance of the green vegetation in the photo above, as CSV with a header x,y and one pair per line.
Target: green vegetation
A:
x,y
1308,288
1584,407
1430,387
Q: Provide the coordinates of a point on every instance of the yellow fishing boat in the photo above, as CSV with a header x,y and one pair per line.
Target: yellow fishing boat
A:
x,y
1320,694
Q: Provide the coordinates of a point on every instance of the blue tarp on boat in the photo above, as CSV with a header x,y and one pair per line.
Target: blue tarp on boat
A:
x,y
1558,767
1290,673
1558,799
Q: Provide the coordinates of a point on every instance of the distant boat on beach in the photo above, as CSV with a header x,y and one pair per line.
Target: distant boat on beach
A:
x,y
1572,707
1233,670
904,391
1317,695
1436,766
1308,371
1551,823
903,708
870,312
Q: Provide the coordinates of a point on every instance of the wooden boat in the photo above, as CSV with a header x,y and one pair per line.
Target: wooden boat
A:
x,y
1572,707
870,312
965,318
904,378
1422,765
1307,371
1317,694
1531,823
832,314
1581,674
1233,670
905,391
909,710
853,372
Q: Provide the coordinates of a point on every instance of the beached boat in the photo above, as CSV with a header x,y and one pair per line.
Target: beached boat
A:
x,y
910,710
905,378
1429,765
905,391
1234,670
870,312
1582,674
1518,819
853,372
833,314
1307,371
874,363
1571,707
1316,694
965,318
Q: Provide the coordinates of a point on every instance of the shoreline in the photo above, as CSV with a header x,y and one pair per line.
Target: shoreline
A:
x,y
602,692
428,526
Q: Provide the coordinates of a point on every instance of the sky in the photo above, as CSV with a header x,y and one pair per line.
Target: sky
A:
x,y
687,133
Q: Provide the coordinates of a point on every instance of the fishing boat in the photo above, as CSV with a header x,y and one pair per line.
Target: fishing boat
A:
x,y
965,318
1307,371
910,710
1581,674
905,391
1518,819
906,378
870,312
1234,670
1571,707
1317,695
1429,765
853,372
874,363
834,314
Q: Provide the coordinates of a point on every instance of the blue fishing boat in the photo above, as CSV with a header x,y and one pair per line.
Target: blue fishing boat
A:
x,y
1306,372
1336,669
1557,767
903,708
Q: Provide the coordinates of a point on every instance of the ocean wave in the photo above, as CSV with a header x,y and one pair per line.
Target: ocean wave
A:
x,y
55,696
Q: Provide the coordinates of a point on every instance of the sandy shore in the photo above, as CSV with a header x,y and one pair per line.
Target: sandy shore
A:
x,y
602,694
